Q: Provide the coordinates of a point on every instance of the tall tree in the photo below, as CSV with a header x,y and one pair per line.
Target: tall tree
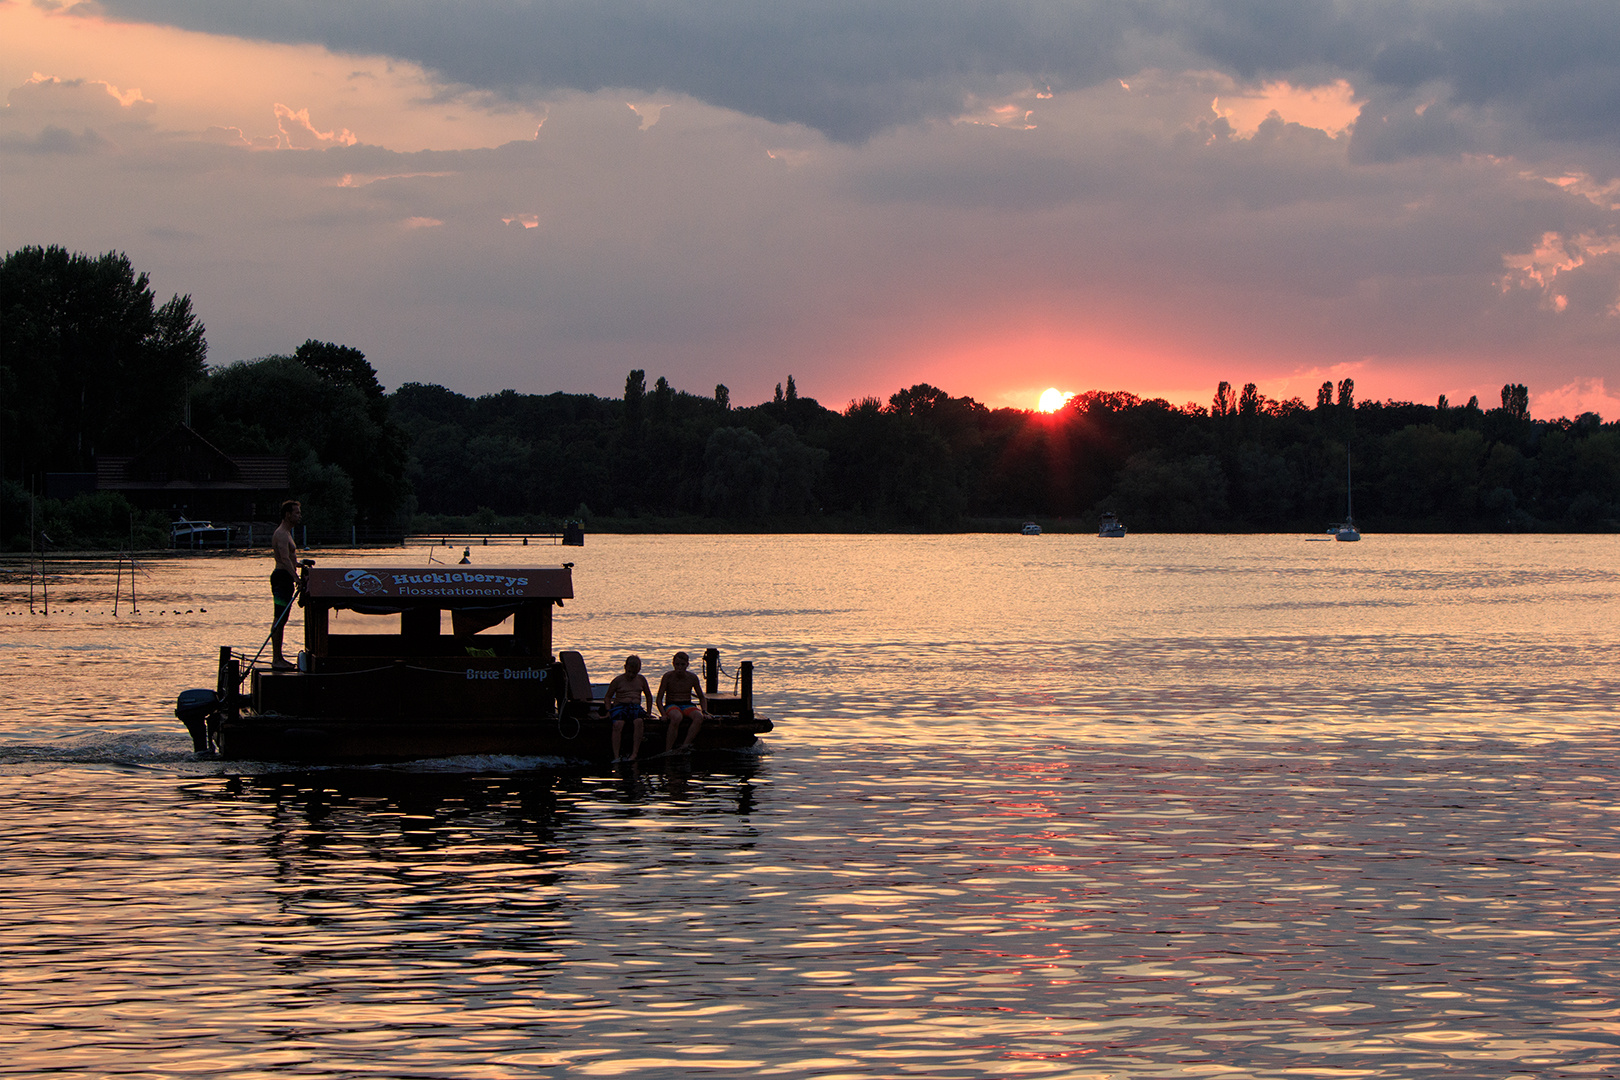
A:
x,y
635,389
89,363
1516,400
341,365
1249,399
348,455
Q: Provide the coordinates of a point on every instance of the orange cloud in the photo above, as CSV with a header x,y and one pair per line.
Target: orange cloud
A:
x,y
1540,267
200,82
297,133
1330,108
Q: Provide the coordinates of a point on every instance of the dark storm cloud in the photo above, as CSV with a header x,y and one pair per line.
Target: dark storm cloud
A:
x,y
852,69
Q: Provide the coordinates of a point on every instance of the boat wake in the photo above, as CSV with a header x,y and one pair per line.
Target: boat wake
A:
x,y
166,753
140,750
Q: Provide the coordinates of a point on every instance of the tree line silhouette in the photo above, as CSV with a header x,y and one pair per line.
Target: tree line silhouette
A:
x,y
925,459
91,363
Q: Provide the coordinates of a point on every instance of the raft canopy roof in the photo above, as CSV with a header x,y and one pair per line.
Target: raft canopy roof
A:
x,y
397,588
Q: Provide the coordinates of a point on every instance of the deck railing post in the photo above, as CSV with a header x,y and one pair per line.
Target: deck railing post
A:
x,y
746,670
235,670
711,671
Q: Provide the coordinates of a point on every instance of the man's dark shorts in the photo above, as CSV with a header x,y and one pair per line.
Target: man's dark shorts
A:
x,y
281,587
625,713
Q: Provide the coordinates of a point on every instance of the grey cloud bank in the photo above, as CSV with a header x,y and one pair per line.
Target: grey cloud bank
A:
x,y
851,69
812,200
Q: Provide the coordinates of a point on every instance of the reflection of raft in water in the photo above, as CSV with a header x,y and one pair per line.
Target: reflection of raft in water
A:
x,y
422,693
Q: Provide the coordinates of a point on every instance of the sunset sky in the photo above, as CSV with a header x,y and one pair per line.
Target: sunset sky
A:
x,y
993,198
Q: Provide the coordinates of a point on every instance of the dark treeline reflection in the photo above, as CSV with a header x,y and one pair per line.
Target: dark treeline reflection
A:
x,y
924,459
534,812
389,875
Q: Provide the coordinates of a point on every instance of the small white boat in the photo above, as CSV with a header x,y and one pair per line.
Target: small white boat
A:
x,y
197,534
1111,526
1346,531
1031,529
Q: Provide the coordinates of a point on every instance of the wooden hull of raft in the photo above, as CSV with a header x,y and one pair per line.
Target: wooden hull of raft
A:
x,y
363,740
441,708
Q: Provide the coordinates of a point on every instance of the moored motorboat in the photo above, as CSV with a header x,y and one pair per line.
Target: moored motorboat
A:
x,y
1111,526
197,534
1030,529
423,693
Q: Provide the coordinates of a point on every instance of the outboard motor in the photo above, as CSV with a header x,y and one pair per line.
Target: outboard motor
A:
x,y
194,709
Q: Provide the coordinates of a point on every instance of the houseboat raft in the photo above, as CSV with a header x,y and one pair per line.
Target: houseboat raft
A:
x,y
424,693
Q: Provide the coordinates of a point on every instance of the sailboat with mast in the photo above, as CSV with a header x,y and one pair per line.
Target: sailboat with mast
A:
x,y
1347,531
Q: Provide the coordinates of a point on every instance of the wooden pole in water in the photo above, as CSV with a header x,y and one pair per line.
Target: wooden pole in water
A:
x,y
30,547
118,580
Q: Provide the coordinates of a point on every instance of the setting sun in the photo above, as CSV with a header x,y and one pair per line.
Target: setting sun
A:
x,y
1053,399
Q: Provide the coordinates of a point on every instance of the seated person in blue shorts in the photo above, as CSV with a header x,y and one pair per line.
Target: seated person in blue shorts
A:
x,y
675,692
623,700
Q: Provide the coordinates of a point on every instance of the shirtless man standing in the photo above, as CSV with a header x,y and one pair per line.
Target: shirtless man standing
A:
x,y
675,692
284,577
624,696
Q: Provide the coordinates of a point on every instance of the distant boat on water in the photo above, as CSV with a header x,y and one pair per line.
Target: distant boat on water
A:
x,y
1346,531
1030,529
1111,526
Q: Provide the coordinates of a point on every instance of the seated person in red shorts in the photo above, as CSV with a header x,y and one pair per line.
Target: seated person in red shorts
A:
x,y
675,692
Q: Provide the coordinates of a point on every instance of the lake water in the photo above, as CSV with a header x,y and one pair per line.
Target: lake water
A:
x,y
1035,806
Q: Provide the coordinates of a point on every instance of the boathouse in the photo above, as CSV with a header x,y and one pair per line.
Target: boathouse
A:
x,y
185,475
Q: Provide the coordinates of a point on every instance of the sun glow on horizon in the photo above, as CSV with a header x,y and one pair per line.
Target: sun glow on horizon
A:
x,y
1053,399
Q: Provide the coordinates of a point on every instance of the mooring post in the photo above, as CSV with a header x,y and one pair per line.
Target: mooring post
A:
x,y
31,547
118,581
746,670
